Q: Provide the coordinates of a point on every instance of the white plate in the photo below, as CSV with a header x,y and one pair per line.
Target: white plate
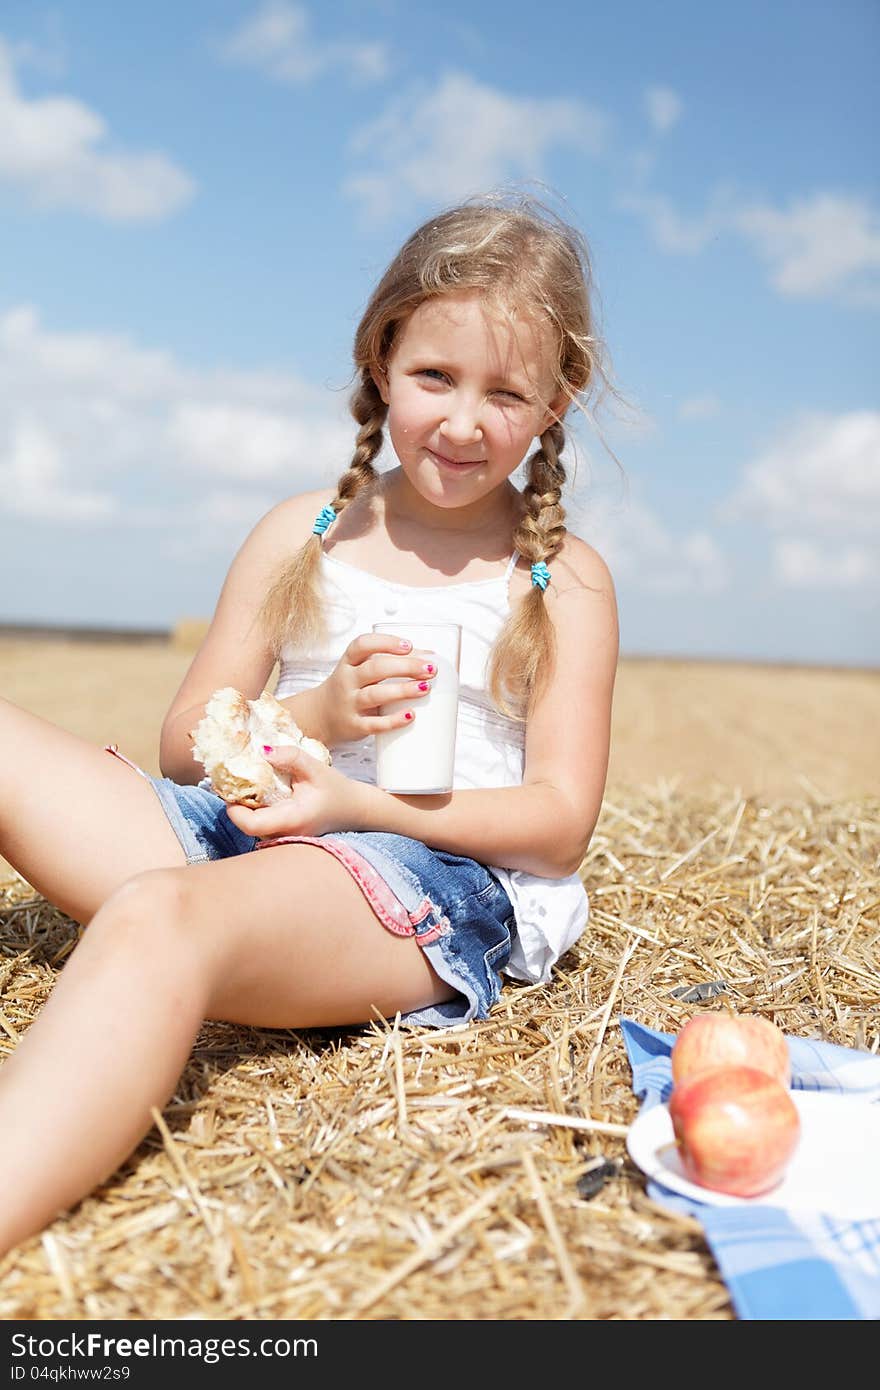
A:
x,y
835,1167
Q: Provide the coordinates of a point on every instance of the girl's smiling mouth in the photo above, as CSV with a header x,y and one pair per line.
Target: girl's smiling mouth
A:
x,y
448,462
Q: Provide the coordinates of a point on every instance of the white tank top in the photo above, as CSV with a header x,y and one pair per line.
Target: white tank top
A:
x,y
489,751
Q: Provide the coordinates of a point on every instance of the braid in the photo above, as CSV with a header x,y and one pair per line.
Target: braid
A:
x,y
524,653
369,410
539,534
293,604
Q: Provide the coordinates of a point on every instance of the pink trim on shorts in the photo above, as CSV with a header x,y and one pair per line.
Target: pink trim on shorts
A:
x,y
114,749
386,905
384,902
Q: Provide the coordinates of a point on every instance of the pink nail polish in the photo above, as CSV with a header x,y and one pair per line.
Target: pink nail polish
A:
x,y
423,685
430,669
408,714
267,748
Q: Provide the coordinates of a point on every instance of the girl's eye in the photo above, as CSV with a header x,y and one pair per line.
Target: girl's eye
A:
x,y
436,374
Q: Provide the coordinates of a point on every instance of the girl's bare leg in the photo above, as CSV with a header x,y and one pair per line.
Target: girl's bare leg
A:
x,y
279,938
74,821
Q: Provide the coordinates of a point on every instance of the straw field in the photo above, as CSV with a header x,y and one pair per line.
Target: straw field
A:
x,y
481,1173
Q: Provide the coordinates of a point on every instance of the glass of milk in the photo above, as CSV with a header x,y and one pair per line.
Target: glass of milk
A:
x,y
420,757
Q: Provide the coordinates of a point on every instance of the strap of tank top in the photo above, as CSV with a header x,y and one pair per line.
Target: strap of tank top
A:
x,y
511,566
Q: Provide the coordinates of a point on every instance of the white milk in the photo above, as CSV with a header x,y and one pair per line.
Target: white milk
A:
x,y
420,757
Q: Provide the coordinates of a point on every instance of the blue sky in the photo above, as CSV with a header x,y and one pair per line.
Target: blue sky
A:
x,y
195,201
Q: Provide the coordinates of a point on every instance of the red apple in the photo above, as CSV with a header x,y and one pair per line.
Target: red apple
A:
x,y
736,1129
730,1040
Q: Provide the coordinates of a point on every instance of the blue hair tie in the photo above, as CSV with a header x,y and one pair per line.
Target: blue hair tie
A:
x,y
540,575
326,517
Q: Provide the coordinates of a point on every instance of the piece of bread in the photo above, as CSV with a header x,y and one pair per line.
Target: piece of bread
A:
x,y
229,741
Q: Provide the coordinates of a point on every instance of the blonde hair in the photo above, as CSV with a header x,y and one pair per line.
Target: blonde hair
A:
x,y
516,253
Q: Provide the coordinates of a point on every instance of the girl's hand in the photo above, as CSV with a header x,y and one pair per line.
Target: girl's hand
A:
x,y
322,800
348,700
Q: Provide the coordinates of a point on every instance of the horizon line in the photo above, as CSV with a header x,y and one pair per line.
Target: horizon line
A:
x,y
91,632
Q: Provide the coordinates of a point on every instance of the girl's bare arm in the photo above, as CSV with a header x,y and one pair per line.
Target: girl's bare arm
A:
x,y
234,651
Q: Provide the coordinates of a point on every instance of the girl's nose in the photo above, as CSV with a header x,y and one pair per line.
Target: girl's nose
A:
x,y
462,424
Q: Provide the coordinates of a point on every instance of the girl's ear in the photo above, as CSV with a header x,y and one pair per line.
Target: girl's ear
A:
x,y
380,381
555,411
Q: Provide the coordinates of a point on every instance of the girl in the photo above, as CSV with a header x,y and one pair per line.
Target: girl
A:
x,y
476,342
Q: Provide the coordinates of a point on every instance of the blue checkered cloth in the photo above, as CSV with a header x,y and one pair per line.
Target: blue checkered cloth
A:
x,y
779,1264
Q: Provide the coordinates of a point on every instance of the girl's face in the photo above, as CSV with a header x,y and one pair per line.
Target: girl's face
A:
x,y
467,392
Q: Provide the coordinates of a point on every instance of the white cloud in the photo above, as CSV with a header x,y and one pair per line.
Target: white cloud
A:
x,y
48,54
825,246
33,482
817,489
681,233
57,150
244,441
642,550
700,407
799,564
278,41
821,246
73,361
94,429
822,475
461,138
664,108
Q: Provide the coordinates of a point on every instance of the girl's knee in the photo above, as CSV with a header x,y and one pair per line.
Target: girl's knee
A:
x,y
151,908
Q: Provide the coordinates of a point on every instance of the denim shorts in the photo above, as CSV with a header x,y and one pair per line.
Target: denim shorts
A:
x,y
456,909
